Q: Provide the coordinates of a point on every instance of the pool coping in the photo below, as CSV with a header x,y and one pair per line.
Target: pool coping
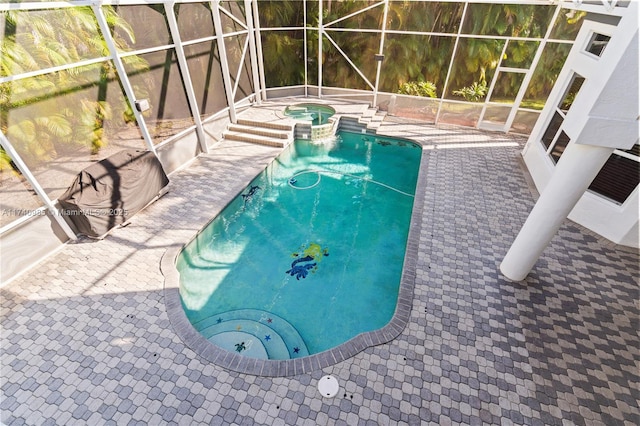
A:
x,y
303,365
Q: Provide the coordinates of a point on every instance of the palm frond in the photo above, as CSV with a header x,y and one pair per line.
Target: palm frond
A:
x,y
56,125
23,132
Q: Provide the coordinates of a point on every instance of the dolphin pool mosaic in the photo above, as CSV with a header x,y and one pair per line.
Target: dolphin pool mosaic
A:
x,y
307,259
309,254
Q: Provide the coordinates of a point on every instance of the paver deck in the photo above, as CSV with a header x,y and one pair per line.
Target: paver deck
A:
x,y
86,338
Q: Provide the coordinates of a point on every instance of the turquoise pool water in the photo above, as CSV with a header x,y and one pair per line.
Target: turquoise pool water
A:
x,y
310,254
317,114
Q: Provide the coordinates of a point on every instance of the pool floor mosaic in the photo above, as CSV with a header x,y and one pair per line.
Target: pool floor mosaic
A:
x,y
86,338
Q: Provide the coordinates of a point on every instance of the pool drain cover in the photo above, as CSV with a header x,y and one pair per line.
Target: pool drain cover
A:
x,y
328,386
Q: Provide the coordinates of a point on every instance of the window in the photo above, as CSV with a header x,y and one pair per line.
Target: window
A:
x,y
559,147
552,130
556,141
597,44
570,94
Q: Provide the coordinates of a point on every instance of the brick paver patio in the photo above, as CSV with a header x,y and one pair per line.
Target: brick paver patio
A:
x,y
86,338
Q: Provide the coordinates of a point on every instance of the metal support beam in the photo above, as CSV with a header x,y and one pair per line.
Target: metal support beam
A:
x,y
320,33
122,73
306,50
26,172
529,75
222,50
492,85
453,57
186,77
253,26
380,52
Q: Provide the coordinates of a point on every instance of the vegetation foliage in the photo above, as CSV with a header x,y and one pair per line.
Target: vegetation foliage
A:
x,y
38,117
413,58
49,114
418,88
473,93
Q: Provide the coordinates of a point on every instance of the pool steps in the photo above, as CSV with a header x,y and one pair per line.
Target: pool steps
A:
x,y
260,131
275,348
224,330
281,133
263,133
372,118
277,125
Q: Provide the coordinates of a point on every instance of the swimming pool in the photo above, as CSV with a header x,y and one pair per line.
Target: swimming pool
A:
x,y
316,113
310,255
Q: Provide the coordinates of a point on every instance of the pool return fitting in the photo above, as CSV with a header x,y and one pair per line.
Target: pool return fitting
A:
x,y
292,182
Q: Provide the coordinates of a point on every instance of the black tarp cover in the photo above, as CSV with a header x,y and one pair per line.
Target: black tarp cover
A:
x,y
107,193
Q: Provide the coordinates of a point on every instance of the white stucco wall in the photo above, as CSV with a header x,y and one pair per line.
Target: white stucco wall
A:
x,y
605,113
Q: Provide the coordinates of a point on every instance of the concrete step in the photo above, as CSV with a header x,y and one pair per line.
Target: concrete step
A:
x,y
369,112
270,133
258,139
379,117
372,118
266,124
374,125
260,131
368,116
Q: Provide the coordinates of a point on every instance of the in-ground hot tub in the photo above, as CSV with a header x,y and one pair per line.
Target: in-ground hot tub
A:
x,y
319,116
316,113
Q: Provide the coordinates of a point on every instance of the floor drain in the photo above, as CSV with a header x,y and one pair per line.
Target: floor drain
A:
x,y
328,386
